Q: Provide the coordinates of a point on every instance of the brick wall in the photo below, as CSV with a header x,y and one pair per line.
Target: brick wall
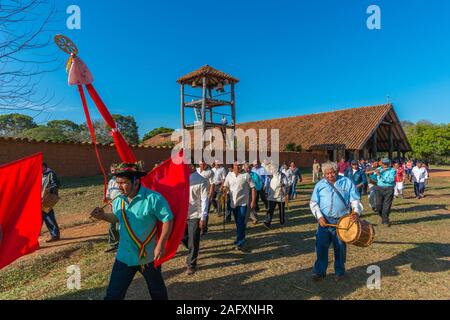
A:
x,y
75,160
79,160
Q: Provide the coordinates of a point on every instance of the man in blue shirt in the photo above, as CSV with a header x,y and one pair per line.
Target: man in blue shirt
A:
x,y
137,210
333,197
385,179
357,176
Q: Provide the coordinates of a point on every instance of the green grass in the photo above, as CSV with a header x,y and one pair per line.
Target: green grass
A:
x,y
414,257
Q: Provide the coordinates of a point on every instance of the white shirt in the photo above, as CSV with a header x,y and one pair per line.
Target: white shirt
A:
x,y
208,175
198,197
289,175
277,187
420,174
113,189
219,175
239,188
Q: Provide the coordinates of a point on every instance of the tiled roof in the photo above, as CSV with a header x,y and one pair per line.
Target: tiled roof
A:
x,y
209,72
346,129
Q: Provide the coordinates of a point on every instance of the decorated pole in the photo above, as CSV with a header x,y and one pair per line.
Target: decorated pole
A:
x,y
170,179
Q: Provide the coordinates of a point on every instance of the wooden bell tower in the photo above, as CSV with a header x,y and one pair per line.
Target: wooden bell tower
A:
x,y
214,106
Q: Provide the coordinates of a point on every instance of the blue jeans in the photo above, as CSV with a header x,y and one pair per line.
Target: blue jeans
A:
x,y
239,218
324,237
122,275
293,188
50,222
419,188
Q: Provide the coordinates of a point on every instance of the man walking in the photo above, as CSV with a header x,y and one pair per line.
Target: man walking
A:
x,y
385,179
262,173
333,197
315,171
111,193
137,210
420,175
197,215
238,185
357,176
50,184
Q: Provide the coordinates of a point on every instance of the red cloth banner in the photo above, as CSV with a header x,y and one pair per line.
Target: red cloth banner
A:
x,y
94,140
171,180
20,208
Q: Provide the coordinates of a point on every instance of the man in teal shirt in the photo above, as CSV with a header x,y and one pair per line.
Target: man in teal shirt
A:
x,y
137,210
385,178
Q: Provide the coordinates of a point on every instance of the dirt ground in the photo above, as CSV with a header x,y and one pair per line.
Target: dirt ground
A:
x,y
413,255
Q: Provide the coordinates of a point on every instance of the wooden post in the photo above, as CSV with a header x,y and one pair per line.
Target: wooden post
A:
x,y
398,149
233,106
182,114
203,109
374,145
391,145
210,108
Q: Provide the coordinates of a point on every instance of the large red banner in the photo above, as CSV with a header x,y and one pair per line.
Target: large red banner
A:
x,y
20,208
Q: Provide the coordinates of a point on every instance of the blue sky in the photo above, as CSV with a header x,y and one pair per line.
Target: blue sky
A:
x,y
292,57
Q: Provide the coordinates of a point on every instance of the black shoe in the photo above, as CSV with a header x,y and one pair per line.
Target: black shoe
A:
x,y
338,278
317,277
190,271
266,225
53,239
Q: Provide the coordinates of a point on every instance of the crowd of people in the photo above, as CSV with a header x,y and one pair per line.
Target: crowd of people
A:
x,y
242,191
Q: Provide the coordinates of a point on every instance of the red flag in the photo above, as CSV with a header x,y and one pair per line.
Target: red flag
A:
x,y
171,180
20,207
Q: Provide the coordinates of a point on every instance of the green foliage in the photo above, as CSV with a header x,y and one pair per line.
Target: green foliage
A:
x,y
128,127
293,147
44,133
11,125
156,131
102,132
430,142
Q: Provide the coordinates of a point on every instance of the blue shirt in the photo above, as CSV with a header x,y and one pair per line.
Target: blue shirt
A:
x,y
386,177
263,174
358,177
329,202
142,213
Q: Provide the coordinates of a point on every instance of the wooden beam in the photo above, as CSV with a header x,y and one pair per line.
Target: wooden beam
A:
x,y
374,144
182,113
203,107
233,106
391,145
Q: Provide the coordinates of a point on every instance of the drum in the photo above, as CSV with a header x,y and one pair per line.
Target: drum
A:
x,y
49,201
360,233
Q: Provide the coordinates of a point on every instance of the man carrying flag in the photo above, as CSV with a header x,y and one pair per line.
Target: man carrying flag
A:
x,y
137,210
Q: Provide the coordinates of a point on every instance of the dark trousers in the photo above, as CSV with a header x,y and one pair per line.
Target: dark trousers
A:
x,y
260,194
419,188
240,214
51,224
122,275
385,196
113,234
191,241
325,237
271,210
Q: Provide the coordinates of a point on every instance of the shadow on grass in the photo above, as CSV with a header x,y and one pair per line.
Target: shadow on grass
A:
x,y
437,217
425,257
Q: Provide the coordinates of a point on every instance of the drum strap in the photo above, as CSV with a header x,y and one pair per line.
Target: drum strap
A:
x,y
347,205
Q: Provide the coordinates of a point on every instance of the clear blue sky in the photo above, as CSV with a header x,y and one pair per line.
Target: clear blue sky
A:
x,y
292,57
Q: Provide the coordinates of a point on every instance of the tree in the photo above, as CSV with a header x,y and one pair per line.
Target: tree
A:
x,y
12,125
103,133
293,147
430,141
156,131
44,133
68,128
24,32
128,127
